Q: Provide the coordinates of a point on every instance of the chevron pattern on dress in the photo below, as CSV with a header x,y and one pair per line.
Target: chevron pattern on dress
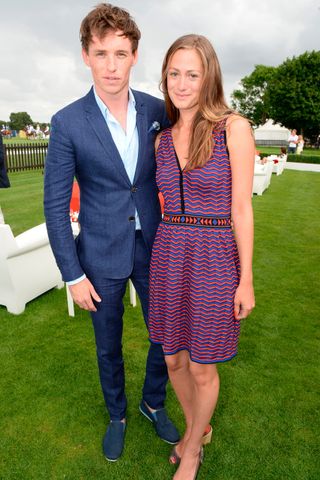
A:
x,y
194,270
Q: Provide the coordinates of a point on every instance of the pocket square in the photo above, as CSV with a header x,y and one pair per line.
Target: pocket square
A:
x,y
154,127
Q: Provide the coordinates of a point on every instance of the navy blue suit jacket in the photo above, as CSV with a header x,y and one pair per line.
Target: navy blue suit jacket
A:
x,y
4,180
81,146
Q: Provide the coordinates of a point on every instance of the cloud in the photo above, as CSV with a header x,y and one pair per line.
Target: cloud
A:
x,y
42,69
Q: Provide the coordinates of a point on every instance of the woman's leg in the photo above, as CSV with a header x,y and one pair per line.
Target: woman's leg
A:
x,y
205,381
180,377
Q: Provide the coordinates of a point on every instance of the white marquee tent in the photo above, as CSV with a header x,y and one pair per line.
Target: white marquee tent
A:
x,y
271,134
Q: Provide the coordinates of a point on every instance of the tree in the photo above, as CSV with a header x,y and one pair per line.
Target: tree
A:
x,y
42,125
294,94
252,99
19,120
289,94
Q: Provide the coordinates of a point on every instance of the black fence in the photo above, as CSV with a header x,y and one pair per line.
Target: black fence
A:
x,y
19,157
272,143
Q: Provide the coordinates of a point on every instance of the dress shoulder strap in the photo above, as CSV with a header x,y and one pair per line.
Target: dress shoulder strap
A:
x,y
160,139
219,131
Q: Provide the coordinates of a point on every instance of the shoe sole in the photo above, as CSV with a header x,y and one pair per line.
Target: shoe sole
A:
x,y
163,439
111,459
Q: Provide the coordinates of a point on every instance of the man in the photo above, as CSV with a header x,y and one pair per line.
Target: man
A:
x,y
292,141
4,180
106,140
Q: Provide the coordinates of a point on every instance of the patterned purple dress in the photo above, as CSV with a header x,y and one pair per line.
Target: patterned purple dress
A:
x,y
195,266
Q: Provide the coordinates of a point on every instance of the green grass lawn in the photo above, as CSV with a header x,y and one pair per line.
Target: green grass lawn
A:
x,y
276,150
266,426
23,140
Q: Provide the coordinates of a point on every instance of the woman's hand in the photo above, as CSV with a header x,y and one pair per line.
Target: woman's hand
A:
x,y
243,300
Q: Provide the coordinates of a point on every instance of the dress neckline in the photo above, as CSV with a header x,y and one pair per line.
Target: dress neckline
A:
x,y
181,170
180,174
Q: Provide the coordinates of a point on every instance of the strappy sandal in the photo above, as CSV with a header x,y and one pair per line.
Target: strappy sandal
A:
x,y
207,436
174,458
200,461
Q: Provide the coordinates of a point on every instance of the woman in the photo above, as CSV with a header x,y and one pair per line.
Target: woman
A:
x,y
201,278
300,144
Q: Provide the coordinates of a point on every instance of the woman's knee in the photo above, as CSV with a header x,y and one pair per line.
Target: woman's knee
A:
x,y
176,362
204,375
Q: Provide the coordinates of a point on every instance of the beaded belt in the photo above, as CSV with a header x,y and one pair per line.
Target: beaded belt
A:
x,y
196,220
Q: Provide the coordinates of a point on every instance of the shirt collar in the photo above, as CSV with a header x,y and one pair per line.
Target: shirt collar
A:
x,y
105,110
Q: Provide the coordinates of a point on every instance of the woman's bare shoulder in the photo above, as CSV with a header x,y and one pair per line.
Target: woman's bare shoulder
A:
x,y
237,124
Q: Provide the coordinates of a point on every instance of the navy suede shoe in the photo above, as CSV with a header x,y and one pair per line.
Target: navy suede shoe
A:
x,y
113,440
162,424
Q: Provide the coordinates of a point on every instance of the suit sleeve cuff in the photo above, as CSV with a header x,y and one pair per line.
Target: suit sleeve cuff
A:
x,y
77,280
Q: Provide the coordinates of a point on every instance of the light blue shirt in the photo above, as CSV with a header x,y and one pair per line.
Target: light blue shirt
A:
x,y
127,143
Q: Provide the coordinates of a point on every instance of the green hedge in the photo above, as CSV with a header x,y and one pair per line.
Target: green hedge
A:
x,y
297,158
304,158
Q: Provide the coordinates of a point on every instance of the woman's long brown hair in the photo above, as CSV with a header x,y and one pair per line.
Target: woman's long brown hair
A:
x,y
213,108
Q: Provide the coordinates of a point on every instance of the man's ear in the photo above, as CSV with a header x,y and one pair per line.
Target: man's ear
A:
x,y
85,57
135,57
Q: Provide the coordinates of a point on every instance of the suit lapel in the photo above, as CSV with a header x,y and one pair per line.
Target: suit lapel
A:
x,y
142,133
98,124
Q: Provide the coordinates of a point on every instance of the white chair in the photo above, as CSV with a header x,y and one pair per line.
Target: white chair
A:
x,y
262,177
27,267
269,173
280,165
259,179
133,294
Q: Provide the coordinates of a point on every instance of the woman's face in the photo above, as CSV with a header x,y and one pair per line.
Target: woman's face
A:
x,y
184,79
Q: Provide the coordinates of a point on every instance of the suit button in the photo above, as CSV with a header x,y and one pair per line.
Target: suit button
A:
x,y
134,189
131,219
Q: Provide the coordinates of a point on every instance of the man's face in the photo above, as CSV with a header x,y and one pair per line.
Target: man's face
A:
x,y
110,59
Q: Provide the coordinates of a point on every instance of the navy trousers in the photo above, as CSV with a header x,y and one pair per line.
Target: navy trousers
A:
x,y
108,326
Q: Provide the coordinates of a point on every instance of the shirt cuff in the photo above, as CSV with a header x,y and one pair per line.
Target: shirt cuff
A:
x,y
77,280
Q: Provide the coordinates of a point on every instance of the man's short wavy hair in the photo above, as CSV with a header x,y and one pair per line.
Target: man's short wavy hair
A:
x,y
105,18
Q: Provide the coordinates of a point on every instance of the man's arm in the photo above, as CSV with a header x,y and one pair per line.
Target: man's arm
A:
x,y
59,177
58,181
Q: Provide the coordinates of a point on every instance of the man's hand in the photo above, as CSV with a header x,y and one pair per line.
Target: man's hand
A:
x,y
83,293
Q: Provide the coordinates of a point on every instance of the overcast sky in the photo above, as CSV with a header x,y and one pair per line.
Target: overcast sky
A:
x,y
41,68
